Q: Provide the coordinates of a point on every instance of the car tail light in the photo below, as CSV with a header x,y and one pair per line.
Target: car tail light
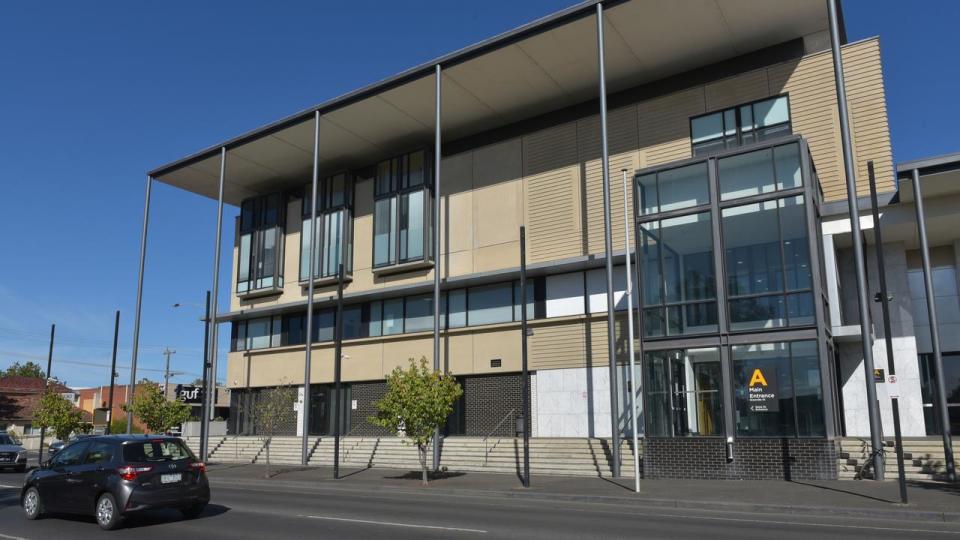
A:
x,y
131,473
198,466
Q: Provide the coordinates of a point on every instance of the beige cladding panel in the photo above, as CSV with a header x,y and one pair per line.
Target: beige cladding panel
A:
x,y
497,194
664,126
557,345
456,351
456,214
503,344
398,353
362,361
733,91
552,211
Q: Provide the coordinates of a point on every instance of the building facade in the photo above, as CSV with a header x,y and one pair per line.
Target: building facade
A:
x,y
731,147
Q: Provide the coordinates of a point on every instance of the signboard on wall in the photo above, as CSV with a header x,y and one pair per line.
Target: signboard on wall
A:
x,y
762,390
189,393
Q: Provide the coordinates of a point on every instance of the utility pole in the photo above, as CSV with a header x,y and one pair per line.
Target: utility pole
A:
x,y
167,351
113,369
46,384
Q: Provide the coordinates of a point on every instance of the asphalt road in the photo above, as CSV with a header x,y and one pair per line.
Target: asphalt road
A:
x,y
276,513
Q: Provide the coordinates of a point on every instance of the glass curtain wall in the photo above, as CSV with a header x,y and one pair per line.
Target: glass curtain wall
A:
x,y
334,227
401,217
260,250
743,214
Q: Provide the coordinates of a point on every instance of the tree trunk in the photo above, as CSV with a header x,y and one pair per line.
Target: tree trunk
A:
x,y
268,457
423,461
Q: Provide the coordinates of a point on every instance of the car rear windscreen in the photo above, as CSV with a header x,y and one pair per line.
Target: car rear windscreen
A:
x,y
155,450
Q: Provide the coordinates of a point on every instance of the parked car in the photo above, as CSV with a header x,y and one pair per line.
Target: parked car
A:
x,y
12,455
111,476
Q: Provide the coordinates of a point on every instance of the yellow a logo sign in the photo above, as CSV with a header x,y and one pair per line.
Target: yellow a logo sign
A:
x,y
757,378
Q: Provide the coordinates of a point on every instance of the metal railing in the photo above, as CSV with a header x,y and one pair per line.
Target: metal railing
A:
x,y
486,449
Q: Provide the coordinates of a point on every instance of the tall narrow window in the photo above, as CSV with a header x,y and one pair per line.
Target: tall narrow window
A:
x,y
401,216
684,393
334,230
767,258
260,261
679,291
737,126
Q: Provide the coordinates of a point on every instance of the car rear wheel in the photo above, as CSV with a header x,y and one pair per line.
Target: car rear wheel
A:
x,y
32,508
193,511
108,516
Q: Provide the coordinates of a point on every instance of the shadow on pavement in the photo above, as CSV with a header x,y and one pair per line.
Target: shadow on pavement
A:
x,y
847,491
146,518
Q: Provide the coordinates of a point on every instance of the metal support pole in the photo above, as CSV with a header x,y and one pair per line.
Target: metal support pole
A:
x,y
436,249
608,248
633,372
337,360
167,351
113,369
204,417
139,305
308,350
887,332
525,379
216,285
46,383
934,330
876,437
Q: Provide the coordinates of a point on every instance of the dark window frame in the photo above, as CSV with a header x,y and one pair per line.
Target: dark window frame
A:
x,y
325,207
254,221
398,187
738,134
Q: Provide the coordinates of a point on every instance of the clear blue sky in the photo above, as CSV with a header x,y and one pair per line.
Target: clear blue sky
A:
x,y
94,94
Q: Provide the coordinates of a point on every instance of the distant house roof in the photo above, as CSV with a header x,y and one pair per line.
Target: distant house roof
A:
x,y
19,396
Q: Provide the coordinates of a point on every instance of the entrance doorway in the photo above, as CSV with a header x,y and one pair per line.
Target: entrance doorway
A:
x,y
951,375
321,409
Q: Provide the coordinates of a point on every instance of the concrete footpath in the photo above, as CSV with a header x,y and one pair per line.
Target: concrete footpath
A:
x,y
928,501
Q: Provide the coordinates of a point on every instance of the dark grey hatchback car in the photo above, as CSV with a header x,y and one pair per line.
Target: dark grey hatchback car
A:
x,y
113,475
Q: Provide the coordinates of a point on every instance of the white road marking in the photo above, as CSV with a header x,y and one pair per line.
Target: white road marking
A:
x,y
392,524
9,487
8,537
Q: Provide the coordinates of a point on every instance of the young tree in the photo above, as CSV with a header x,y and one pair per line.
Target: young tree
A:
x,y
417,402
28,369
119,425
274,408
154,410
57,413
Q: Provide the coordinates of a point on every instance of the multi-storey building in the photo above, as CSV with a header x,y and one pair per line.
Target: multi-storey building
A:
x,y
724,116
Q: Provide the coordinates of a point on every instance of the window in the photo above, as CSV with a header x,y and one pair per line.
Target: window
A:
x,y
401,216
761,171
490,304
100,452
155,450
767,259
393,316
71,455
741,125
684,393
457,308
334,227
679,282
260,261
419,313
673,189
259,333
778,390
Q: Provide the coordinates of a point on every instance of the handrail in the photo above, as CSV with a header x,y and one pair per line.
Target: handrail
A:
x,y
486,451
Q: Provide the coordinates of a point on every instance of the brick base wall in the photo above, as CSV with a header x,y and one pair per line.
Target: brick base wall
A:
x,y
488,400
754,459
366,394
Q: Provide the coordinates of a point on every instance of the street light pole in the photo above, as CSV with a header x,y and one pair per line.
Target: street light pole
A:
x,y
46,383
633,371
113,369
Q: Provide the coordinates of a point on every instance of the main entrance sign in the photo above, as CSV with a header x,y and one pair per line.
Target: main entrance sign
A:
x,y
762,390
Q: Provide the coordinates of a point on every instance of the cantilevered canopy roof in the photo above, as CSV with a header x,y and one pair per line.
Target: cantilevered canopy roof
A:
x,y
940,176
543,66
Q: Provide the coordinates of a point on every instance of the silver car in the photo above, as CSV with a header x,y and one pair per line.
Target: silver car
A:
x,y
12,455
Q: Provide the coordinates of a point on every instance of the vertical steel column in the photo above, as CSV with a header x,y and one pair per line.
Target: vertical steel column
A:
x,y
633,369
136,312
876,438
205,383
436,249
608,248
46,384
113,369
337,360
210,397
934,330
525,378
887,331
308,349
